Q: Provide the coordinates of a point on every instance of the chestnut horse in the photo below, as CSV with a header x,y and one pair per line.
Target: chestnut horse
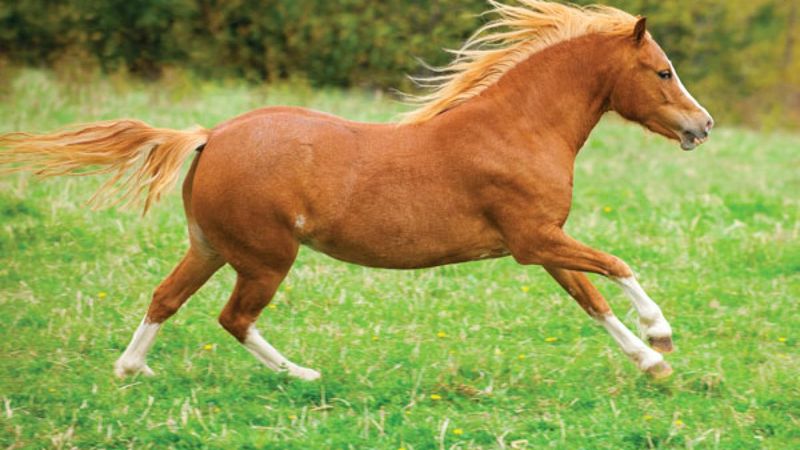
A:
x,y
483,169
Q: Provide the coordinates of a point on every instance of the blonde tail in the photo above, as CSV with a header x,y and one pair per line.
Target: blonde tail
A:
x,y
144,158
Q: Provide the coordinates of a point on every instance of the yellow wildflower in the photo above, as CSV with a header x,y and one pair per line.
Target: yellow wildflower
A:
x,y
292,417
374,338
550,339
436,397
208,347
525,288
441,334
781,339
458,431
272,306
520,357
679,423
101,295
648,417
607,209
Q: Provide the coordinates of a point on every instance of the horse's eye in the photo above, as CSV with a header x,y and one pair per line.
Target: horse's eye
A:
x,y
665,74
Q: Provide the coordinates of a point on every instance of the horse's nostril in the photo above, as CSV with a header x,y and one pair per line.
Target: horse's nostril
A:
x,y
709,125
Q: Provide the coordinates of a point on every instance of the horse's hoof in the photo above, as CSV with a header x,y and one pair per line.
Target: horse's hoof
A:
x,y
659,370
305,374
122,370
662,344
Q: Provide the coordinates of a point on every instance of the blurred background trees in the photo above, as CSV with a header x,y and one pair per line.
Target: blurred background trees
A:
x,y
740,57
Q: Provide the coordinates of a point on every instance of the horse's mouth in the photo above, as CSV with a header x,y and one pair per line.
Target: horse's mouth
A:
x,y
690,140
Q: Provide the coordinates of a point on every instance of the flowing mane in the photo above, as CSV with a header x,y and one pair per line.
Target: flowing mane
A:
x,y
517,33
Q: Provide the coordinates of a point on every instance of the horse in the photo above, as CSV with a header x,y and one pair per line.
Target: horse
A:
x,y
483,168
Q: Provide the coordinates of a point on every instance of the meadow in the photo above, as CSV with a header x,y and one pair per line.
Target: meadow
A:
x,y
481,355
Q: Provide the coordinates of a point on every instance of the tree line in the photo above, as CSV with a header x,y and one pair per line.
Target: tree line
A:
x,y
739,57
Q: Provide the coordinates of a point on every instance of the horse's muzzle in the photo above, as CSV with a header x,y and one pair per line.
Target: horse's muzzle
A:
x,y
691,138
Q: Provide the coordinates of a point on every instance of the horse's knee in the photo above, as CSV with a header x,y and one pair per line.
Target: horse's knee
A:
x,y
617,268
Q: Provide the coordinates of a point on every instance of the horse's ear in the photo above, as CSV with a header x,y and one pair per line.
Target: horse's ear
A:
x,y
640,29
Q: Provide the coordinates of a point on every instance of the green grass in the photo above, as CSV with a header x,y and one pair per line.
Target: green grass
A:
x,y
713,236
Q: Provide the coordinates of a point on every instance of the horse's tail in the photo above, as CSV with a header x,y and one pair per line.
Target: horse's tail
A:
x,y
143,158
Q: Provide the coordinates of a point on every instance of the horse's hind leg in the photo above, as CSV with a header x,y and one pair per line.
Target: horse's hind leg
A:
x,y
192,272
255,286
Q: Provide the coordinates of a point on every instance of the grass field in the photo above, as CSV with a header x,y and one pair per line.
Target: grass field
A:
x,y
479,355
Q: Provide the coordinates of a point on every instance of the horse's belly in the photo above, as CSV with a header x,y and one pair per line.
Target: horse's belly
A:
x,y
415,247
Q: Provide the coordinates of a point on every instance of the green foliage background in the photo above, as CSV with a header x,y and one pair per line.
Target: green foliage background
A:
x,y
739,57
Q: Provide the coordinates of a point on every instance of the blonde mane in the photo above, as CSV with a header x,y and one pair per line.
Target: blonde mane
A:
x,y
517,33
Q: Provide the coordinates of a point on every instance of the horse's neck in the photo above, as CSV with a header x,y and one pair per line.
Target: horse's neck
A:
x,y
555,96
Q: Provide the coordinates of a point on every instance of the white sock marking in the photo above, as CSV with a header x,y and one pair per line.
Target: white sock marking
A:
x,y
642,355
651,319
132,360
272,358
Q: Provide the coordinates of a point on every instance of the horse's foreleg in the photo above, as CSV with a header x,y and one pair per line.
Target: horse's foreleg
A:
x,y
581,289
645,358
192,272
651,319
584,292
253,292
556,249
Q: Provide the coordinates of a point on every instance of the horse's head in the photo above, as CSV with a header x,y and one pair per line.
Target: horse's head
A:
x,y
648,91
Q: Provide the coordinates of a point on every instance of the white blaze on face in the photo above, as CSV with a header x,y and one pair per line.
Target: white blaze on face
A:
x,y
686,91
